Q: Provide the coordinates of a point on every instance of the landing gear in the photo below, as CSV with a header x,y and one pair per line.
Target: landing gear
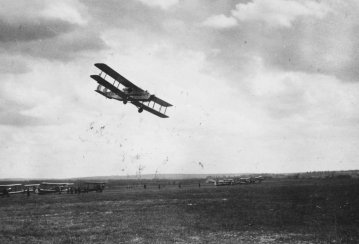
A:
x,y
124,101
140,110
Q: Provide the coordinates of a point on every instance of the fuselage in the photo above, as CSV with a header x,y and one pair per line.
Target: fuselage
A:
x,y
132,95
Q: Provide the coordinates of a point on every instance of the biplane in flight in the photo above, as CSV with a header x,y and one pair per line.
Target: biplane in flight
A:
x,y
128,92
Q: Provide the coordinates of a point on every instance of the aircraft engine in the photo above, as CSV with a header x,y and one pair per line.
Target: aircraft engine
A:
x,y
127,90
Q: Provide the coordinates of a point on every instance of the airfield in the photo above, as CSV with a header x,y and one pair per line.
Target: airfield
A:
x,y
191,211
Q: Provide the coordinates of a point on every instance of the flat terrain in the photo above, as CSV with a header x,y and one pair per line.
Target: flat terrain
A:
x,y
275,211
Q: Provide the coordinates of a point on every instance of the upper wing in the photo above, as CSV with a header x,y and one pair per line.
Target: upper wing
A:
x,y
151,110
160,101
105,68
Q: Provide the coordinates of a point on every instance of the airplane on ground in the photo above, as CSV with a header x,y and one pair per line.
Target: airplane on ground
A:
x,y
32,187
258,179
244,180
225,182
11,189
94,186
46,187
129,93
249,180
235,181
221,182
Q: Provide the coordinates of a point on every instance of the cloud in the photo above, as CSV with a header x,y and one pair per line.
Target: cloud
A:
x,y
220,21
248,92
279,13
324,42
66,10
17,119
164,4
54,31
41,10
64,47
318,46
11,113
32,30
276,13
13,64
305,98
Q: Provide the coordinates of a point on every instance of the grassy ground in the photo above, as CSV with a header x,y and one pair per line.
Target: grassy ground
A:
x,y
278,211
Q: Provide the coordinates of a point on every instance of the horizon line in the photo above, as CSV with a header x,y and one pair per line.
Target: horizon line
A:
x,y
135,176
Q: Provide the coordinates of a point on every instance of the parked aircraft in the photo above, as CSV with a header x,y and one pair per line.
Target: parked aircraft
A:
x,y
243,180
94,186
47,187
6,190
221,182
235,181
258,179
32,187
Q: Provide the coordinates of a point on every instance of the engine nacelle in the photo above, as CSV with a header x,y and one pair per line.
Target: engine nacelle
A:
x,y
128,90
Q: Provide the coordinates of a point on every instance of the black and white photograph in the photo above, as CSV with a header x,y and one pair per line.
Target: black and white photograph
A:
x,y
179,121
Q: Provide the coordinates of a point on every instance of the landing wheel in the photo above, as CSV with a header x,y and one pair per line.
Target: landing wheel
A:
x,y
140,110
124,101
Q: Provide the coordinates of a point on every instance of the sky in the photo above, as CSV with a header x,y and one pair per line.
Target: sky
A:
x,y
257,86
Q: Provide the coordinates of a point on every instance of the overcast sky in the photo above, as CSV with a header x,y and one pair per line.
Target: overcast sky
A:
x,y
257,86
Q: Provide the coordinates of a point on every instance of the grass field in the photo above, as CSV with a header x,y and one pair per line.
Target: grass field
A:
x,y
275,211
